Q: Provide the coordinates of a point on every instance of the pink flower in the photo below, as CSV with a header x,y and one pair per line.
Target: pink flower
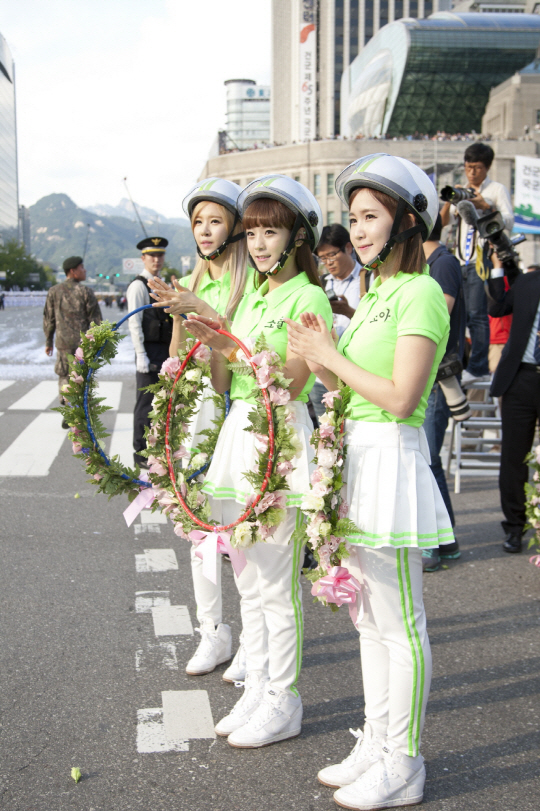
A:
x,y
536,477
77,447
264,377
535,560
329,397
180,453
202,353
278,500
79,355
156,467
76,378
264,531
250,499
265,358
89,336
284,468
320,490
316,476
278,396
170,367
261,441
326,431
98,477
179,530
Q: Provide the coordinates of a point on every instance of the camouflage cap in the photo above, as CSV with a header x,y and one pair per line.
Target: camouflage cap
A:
x,y
72,262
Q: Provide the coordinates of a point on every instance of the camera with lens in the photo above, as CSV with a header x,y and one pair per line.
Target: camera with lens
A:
x,y
491,227
456,399
452,195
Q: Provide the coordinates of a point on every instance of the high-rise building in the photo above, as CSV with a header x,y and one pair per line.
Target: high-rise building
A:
x,y
313,43
248,114
9,187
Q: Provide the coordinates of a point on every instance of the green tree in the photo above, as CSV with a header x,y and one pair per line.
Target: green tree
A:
x,y
18,267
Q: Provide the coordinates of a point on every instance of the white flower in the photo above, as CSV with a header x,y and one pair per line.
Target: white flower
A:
x,y
199,459
243,535
312,502
325,528
329,418
194,375
296,446
327,458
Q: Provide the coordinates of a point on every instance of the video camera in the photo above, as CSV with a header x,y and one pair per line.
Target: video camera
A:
x,y
490,226
452,195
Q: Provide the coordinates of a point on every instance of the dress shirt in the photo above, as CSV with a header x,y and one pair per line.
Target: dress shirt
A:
x,y
137,296
498,198
528,355
350,288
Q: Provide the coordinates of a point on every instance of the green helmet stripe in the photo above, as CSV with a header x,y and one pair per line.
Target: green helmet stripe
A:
x,y
207,186
365,166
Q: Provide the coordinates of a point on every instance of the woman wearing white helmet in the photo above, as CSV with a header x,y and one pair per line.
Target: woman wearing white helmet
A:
x,y
282,221
215,288
389,357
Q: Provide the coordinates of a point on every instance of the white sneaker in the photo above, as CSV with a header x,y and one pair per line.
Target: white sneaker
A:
x,y
468,379
393,781
254,687
367,751
278,717
237,669
214,648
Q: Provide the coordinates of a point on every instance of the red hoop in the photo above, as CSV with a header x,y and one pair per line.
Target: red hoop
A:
x,y
271,444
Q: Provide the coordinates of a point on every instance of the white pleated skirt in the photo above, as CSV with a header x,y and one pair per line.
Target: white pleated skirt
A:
x,y
236,453
202,419
393,497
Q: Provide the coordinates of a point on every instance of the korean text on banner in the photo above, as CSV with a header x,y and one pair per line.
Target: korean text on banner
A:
x,y
527,195
308,70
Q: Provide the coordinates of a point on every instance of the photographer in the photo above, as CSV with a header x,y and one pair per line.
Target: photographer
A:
x,y
474,253
345,283
445,269
517,382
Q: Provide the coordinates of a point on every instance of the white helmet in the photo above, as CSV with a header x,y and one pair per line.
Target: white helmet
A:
x,y
402,180
297,198
214,190
223,192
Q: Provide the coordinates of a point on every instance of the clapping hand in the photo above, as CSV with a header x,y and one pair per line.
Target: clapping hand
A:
x,y
311,340
177,301
204,329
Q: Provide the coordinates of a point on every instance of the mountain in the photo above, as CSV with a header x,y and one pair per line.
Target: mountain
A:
x,y
125,209
59,229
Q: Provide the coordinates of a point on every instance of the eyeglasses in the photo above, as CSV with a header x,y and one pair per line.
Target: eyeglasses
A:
x,y
329,258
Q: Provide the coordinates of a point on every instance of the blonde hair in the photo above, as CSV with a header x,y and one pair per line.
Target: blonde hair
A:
x,y
235,260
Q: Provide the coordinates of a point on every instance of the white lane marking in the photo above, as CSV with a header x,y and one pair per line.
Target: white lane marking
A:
x,y
148,517
140,563
171,620
151,528
112,391
151,734
187,714
122,438
35,449
1,413
39,398
156,655
161,560
146,600
5,384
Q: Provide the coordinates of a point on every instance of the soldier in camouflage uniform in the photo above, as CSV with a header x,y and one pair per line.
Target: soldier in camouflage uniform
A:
x,y
69,310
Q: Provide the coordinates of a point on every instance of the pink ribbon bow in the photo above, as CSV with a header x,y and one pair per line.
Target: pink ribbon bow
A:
x,y
143,500
209,544
339,587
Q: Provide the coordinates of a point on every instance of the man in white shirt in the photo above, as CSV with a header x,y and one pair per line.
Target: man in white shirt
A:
x,y
345,283
151,332
472,253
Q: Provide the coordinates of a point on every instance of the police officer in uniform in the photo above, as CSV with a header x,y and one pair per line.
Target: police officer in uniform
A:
x,y
70,309
151,332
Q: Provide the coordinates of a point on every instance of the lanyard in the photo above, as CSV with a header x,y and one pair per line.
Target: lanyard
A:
x,y
469,244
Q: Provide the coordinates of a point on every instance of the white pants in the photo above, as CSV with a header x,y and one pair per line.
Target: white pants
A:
x,y
394,646
271,603
207,595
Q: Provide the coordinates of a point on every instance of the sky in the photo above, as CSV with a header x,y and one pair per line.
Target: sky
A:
x,y
114,88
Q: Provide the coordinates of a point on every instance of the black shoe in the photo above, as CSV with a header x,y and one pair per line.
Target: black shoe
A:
x,y
309,560
65,424
512,543
142,461
450,551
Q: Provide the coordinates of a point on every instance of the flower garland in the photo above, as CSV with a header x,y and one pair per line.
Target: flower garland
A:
x,y
326,511
175,392
83,410
532,504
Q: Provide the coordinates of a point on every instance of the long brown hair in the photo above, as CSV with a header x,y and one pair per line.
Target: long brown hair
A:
x,y
235,263
268,213
409,255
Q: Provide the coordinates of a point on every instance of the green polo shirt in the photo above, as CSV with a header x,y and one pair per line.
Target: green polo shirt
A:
x,y
406,304
216,292
264,311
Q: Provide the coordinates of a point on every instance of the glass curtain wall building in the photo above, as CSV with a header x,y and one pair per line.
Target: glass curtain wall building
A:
x,y
248,114
430,75
9,191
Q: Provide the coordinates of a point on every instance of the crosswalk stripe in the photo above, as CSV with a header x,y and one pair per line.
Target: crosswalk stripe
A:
x,y
156,560
151,733
145,600
187,714
35,449
39,398
5,384
112,391
171,620
122,438
156,655
148,517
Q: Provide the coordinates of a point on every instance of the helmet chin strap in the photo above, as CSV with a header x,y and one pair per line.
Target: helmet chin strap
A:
x,y
395,238
280,264
229,241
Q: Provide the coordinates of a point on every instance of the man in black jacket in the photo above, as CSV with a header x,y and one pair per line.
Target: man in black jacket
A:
x,y
517,382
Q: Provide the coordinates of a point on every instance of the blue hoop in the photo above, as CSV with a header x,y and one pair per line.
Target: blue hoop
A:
x,y
97,446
